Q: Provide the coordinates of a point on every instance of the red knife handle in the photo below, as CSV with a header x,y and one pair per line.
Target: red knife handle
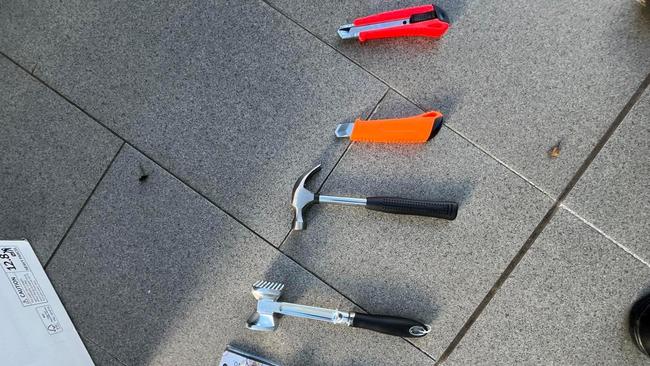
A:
x,y
424,21
392,15
431,28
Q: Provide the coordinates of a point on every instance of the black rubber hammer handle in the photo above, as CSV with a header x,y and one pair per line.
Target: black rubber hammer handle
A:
x,y
404,206
392,325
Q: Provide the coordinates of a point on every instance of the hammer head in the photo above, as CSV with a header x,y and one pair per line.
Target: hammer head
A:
x,y
301,199
267,294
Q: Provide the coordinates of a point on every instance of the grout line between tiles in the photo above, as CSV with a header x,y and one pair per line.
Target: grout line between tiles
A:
x,y
499,282
370,115
83,337
126,142
286,236
343,295
545,220
461,135
552,211
372,112
250,230
333,48
335,165
63,96
601,232
391,88
605,137
482,149
319,187
74,220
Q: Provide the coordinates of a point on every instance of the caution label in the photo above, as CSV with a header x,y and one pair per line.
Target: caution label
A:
x,y
20,277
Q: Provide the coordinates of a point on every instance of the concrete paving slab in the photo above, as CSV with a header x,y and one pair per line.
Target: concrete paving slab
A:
x,y
155,274
614,194
566,303
434,270
52,157
516,77
100,356
230,96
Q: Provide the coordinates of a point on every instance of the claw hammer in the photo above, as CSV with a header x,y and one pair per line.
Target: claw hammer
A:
x,y
302,198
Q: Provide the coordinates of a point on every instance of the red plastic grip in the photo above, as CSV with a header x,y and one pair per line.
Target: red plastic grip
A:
x,y
434,28
430,28
392,15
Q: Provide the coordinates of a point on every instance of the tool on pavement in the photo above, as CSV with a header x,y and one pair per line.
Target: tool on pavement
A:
x,y
268,306
302,198
417,21
233,356
414,129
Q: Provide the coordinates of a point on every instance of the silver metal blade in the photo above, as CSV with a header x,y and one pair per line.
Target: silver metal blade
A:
x,y
344,129
350,31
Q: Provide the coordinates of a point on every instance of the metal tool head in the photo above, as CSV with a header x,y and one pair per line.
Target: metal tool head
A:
x,y
301,198
344,31
344,129
264,318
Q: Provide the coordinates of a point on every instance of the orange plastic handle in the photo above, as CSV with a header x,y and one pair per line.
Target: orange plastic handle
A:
x,y
415,129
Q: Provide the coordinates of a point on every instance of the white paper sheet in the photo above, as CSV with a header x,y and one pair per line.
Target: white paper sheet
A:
x,y
35,329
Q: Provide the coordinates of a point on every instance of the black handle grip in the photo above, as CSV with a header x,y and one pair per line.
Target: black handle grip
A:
x,y
392,325
405,206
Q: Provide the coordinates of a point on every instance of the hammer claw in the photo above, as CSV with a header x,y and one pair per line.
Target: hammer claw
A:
x,y
301,198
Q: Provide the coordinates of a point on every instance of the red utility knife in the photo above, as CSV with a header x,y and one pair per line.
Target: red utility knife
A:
x,y
418,21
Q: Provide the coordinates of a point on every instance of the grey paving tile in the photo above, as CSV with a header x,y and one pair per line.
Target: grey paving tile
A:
x,y
614,194
516,77
99,355
230,96
155,274
566,303
431,269
52,157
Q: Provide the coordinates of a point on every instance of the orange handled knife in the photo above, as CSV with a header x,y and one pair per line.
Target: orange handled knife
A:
x,y
415,129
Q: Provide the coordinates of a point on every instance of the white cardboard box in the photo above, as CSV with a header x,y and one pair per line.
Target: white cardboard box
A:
x,y
35,329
